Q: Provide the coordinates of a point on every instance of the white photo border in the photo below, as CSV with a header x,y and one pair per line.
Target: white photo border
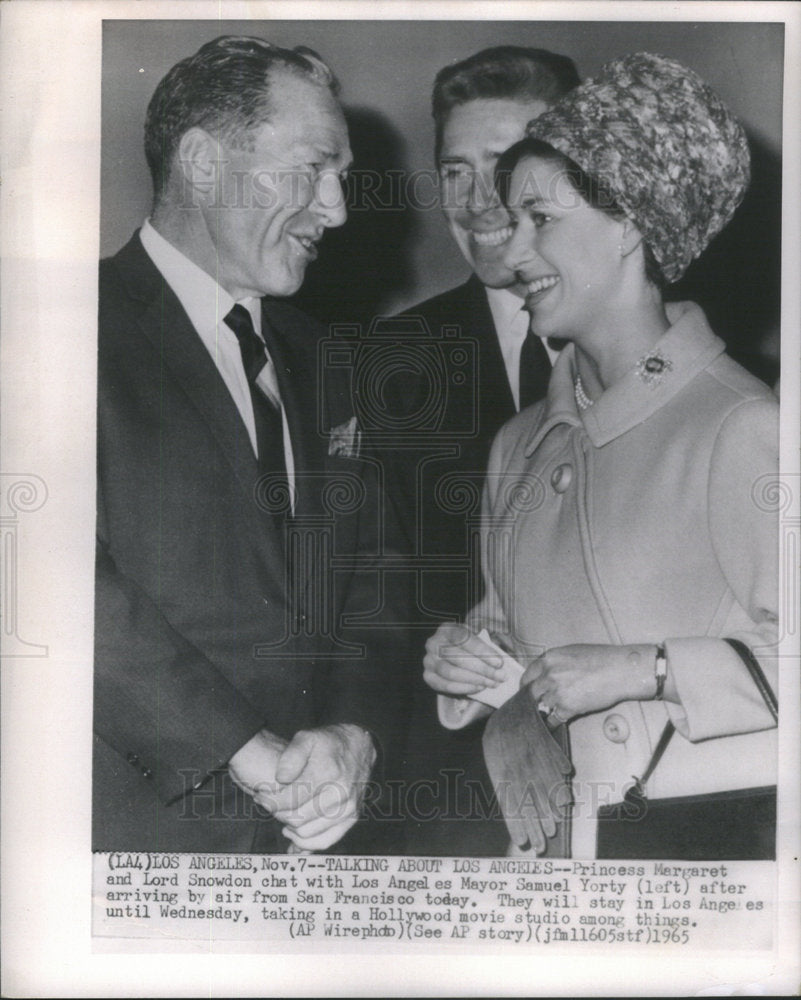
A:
x,y
50,52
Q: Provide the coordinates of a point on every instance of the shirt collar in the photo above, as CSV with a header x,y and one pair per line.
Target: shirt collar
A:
x,y
685,349
205,302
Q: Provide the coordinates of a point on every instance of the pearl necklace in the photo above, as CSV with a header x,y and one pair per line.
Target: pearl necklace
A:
x,y
583,401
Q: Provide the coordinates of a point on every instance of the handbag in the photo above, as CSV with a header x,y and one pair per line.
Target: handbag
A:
x,y
738,825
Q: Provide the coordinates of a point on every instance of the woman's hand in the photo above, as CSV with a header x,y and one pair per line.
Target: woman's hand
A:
x,y
573,680
458,663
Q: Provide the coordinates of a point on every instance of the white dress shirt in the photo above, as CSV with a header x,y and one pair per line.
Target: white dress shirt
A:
x,y
511,325
207,304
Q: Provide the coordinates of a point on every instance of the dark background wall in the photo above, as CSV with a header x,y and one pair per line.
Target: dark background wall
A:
x,y
395,249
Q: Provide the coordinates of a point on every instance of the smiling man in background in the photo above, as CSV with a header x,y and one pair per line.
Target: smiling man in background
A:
x,y
223,692
480,106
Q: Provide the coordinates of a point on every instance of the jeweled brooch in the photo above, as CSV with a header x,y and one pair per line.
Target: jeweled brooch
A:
x,y
652,367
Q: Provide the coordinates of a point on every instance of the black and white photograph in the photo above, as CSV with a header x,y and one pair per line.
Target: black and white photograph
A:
x,y
401,527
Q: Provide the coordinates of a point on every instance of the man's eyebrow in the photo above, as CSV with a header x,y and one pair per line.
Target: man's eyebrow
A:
x,y
321,149
489,153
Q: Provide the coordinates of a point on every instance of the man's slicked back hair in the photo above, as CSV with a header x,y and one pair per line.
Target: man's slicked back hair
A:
x,y
504,72
223,88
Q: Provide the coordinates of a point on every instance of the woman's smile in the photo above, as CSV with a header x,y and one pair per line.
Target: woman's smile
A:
x,y
538,288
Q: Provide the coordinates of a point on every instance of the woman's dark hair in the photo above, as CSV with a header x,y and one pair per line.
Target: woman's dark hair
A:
x,y
591,190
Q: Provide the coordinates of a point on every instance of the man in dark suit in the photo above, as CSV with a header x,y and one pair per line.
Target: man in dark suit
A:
x,y
234,708
480,107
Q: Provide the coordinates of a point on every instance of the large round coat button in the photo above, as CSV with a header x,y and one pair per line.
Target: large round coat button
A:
x,y
561,477
616,728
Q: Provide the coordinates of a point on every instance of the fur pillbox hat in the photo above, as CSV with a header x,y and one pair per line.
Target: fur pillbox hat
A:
x,y
662,144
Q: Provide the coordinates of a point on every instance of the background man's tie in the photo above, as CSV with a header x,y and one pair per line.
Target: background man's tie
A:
x,y
535,370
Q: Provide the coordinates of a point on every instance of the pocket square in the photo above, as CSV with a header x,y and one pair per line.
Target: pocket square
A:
x,y
345,439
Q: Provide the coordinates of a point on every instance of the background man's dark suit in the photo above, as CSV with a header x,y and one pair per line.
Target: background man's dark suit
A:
x,y
443,483
191,575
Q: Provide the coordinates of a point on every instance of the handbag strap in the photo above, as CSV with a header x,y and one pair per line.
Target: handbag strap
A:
x,y
656,756
763,686
757,675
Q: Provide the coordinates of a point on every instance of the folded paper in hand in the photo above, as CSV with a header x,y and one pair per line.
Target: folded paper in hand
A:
x,y
509,686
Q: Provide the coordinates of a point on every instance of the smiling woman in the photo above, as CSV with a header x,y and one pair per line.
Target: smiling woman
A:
x,y
568,255
647,568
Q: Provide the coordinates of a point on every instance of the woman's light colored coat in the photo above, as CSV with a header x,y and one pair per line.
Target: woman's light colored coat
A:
x,y
649,517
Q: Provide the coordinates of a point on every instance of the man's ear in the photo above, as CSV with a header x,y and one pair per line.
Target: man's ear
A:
x,y
630,238
197,160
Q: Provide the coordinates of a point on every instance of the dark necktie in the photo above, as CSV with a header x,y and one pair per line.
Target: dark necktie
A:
x,y
535,370
267,417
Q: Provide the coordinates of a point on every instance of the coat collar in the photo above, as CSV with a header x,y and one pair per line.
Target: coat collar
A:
x,y
689,345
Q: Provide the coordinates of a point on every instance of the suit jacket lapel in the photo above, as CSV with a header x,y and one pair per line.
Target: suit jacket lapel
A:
x,y
176,342
296,371
292,343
